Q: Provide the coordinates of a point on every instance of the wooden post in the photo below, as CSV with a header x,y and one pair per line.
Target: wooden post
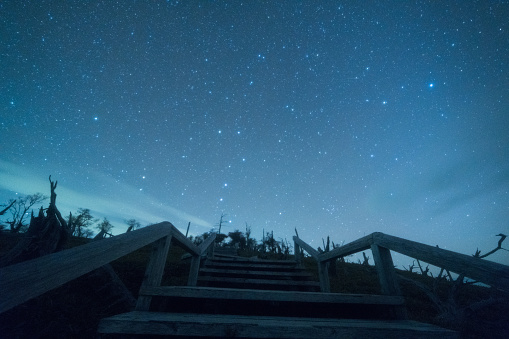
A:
x,y
323,273
188,225
298,254
385,268
193,272
387,275
155,270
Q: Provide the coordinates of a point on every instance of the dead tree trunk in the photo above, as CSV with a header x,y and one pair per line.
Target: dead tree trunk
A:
x,y
46,234
49,233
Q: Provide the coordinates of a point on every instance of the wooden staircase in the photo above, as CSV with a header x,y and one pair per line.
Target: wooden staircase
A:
x,y
246,311
254,298
253,273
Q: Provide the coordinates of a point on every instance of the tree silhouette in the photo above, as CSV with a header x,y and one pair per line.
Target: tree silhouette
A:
x,y
19,210
80,224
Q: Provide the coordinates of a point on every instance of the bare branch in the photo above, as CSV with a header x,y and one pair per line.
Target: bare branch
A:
x,y
499,247
7,208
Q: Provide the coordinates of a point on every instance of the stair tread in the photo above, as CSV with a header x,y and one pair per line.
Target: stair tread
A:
x,y
252,294
189,324
247,266
259,281
242,271
237,259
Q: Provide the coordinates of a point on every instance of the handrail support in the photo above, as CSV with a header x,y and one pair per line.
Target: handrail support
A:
x,y
155,270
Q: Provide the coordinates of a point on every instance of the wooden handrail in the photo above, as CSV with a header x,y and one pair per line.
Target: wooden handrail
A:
x,y
29,279
358,245
491,273
314,253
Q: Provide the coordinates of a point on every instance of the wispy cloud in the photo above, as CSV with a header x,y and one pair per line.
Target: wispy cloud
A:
x,y
108,198
446,187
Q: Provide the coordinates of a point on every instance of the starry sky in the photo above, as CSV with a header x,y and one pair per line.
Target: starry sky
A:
x,y
335,118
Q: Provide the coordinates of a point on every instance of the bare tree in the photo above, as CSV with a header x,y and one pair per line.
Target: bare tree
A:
x,y
133,224
8,207
104,228
19,210
46,234
80,224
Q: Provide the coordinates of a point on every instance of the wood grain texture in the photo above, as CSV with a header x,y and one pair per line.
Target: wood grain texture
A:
x,y
314,253
290,296
155,270
29,279
189,324
491,273
385,268
358,245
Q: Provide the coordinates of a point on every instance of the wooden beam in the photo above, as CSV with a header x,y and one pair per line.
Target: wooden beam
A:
x,y
358,245
29,279
298,254
491,273
314,253
241,326
184,242
251,294
194,271
204,247
385,269
155,270
323,274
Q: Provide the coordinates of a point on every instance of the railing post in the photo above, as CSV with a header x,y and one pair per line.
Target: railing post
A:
x,y
385,268
323,273
155,270
210,252
298,253
193,272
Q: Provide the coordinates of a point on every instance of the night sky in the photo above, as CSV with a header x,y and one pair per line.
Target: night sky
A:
x,y
335,119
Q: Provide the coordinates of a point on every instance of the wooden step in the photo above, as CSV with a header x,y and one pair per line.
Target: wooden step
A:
x,y
186,299
210,325
290,296
255,261
264,284
252,266
243,273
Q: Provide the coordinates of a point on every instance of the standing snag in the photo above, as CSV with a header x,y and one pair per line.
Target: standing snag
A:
x,y
46,234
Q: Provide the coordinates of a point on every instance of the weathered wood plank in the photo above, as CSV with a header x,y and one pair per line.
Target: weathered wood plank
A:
x,y
491,273
323,275
385,268
298,253
257,266
155,270
358,245
314,253
254,273
194,270
253,261
290,296
204,247
267,282
185,243
29,279
197,325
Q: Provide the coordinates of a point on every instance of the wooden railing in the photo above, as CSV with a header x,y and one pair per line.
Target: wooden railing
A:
x,y
381,245
29,279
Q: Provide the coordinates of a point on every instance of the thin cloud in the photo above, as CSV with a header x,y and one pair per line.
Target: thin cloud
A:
x,y
119,202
